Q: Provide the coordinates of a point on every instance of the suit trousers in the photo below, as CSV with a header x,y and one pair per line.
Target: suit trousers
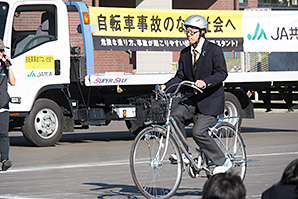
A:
x,y
4,139
186,110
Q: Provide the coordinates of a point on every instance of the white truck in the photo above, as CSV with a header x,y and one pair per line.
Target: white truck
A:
x,y
57,88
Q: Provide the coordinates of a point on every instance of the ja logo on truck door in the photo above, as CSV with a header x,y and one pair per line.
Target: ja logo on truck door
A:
x,y
32,74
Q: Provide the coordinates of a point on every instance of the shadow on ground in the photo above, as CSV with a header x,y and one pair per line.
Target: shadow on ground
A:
x,y
128,191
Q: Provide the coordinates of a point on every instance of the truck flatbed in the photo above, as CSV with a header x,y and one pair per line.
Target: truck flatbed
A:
x,y
111,79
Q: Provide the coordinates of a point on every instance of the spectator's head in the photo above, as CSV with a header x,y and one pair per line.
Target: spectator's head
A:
x,y
290,175
224,186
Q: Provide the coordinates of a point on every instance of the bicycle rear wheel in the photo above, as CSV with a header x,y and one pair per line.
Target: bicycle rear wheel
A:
x,y
154,177
231,143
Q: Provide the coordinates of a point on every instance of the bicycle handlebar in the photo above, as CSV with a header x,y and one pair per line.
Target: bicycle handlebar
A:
x,y
185,83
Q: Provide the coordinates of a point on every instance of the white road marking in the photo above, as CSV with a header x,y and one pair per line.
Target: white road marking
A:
x,y
44,168
110,163
272,154
16,197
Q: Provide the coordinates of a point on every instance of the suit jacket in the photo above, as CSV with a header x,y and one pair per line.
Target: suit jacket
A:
x,y
211,67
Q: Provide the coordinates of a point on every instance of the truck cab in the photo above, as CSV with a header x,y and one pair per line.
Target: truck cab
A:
x,y
39,52
37,35
50,95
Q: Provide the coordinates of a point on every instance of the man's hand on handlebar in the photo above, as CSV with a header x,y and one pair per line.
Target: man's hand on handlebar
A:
x,y
163,88
200,84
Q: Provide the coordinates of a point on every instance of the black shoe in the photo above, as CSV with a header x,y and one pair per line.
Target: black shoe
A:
x,y
6,164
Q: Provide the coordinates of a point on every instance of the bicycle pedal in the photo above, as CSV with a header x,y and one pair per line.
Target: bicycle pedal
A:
x,y
192,172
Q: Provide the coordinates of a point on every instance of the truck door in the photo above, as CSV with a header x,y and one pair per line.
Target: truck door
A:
x,y
38,50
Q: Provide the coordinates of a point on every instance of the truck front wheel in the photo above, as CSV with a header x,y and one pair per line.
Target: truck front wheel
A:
x,y
44,125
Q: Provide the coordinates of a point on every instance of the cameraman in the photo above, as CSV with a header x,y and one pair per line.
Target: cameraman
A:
x,y
6,75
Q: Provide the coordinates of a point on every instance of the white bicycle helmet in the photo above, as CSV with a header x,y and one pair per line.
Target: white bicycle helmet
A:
x,y
196,21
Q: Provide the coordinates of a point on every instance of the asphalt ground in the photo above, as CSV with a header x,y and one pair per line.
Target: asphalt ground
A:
x,y
94,162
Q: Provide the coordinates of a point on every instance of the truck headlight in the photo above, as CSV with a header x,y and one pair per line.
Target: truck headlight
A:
x,y
15,100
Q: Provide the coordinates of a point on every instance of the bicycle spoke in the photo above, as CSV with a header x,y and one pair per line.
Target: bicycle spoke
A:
x,y
155,178
230,142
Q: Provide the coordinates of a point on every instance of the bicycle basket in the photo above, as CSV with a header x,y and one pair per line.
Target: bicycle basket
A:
x,y
150,107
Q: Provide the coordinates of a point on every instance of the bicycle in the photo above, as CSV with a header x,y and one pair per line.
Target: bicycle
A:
x,y
152,171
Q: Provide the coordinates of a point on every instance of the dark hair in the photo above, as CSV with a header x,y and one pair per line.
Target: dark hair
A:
x,y
290,175
224,186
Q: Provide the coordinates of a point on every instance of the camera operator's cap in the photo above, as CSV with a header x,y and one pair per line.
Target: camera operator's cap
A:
x,y
2,45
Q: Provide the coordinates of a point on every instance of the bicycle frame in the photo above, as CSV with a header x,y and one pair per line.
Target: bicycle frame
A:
x,y
158,177
171,125
181,140
173,128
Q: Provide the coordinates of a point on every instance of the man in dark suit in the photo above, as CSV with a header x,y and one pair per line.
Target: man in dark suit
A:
x,y
203,63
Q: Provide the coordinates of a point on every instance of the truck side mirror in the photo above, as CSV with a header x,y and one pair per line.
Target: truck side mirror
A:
x,y
76,50
79,28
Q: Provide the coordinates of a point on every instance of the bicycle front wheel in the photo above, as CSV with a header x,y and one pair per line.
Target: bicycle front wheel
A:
x,y
153,174
230,141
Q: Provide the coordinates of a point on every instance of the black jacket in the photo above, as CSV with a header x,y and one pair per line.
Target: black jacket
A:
x,y
211,67
3,84
280,192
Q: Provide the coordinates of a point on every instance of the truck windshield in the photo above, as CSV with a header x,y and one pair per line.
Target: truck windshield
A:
x,y
3,15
